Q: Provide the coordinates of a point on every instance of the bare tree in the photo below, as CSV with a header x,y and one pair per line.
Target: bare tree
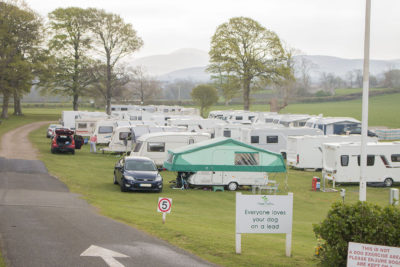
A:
x,y
142,86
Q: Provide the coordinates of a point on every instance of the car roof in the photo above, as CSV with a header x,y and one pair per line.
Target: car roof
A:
x,y
137,158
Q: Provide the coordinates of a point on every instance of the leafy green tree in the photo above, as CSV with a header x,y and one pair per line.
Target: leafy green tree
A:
x,y
70,43
114,39
227,84
205,96
247,50
21,34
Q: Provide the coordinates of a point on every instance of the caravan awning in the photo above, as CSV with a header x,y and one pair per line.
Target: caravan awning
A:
x,y
223,154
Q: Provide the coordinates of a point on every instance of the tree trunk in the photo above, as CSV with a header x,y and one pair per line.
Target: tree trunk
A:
x,y
108,85
75,102
17,104
246,94
4,112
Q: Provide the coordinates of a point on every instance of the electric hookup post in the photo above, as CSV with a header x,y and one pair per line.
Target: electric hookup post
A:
x,y
264,214
164,205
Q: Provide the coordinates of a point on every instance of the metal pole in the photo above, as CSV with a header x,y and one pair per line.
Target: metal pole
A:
x,y
364,122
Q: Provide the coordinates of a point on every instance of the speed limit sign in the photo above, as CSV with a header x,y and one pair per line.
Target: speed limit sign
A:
x,y
164,205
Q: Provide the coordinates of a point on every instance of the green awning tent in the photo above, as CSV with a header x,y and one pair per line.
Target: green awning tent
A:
x,y
223,154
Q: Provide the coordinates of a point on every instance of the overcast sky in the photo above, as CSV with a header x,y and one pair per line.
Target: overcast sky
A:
x,y
315,27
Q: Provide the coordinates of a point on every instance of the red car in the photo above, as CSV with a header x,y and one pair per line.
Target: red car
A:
x,y
63,141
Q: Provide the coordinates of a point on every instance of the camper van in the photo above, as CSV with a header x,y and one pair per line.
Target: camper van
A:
x,y
341,162
156,145
274,139
305,152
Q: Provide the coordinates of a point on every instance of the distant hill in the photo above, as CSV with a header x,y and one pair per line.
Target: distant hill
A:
x,y
189,63
177,60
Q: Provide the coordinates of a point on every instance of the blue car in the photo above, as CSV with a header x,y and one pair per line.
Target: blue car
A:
x,y
133,173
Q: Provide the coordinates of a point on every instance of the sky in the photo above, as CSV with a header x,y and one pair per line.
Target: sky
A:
x,y
313,27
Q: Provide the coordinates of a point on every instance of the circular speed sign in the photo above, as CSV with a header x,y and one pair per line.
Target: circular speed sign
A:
x,y
164,205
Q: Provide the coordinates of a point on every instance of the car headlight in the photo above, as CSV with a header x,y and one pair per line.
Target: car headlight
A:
x,y
128,177
158,178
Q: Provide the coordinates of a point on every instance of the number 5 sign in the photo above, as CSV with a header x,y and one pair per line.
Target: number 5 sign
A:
x,y
164,205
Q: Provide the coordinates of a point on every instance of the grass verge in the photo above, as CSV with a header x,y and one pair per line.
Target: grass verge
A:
x,y
202,222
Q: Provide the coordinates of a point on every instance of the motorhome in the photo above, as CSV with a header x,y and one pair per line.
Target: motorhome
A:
x,y
305,152
274,139
156,145
341,162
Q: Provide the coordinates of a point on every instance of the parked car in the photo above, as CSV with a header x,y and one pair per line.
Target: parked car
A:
x,y
137,174
63,141
51,129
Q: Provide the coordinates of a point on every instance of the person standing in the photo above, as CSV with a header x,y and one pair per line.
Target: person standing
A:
x,y
93,141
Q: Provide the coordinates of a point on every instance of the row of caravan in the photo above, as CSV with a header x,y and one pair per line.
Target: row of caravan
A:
x,y
339,158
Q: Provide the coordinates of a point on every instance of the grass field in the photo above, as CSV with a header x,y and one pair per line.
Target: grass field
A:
x,y
203,221
382,109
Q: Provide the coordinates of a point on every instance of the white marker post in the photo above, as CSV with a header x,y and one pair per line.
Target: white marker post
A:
x,y
264,214
164,205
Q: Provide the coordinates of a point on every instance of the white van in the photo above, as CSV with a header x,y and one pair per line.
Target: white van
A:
x,y
341,162
156,145
230,179
274,139
305,152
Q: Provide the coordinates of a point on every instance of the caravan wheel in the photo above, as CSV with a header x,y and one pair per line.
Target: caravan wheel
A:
x,y
388,182
232,186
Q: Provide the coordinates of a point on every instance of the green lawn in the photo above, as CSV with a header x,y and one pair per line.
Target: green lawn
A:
x,y
347,91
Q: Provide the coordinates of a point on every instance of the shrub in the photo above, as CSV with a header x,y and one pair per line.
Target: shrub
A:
x,y
362,223
322,93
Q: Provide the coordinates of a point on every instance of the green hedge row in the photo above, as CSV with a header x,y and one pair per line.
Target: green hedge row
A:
x,y
360,222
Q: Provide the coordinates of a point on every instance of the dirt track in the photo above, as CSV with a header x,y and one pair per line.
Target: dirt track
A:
x,y
15,143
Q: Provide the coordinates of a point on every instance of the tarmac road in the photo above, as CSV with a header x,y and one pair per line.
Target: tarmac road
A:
x,y
43,224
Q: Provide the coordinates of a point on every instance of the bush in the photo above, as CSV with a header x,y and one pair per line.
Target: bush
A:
x,y
322,93
362,223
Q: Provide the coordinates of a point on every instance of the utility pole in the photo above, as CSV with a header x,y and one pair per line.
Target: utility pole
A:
x,y
364,122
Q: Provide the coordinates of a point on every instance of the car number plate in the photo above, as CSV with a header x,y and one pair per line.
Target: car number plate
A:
x,y
145,185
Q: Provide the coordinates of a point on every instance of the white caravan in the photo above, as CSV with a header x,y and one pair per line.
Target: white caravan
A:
x,y
229,179
121,140
274,139
156,145
104,130
242,117
233,131
86,126
341,162
333,125
195,125
305,152
68,118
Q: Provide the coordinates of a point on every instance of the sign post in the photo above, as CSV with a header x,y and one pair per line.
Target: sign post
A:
x,y
264,214
164,205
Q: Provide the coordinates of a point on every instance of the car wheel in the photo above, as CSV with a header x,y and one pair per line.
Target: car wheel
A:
x,y
123,188
53,151
115,179
73,152
388,182
232,186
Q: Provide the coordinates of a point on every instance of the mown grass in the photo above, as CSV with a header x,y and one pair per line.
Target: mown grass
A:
x,y
347,91
202,222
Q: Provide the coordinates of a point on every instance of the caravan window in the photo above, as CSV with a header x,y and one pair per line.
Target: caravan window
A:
x,y
344,160
255,139
239,118
269,120
125,135
133,118
82,125
156,147
370,160
124,109
105,129
251,118
139,118
247,158
272,139
137,147
395,158
227,133
191,141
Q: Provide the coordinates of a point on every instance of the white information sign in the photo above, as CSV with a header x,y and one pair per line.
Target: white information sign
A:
x,y
257,214
372,255
268,214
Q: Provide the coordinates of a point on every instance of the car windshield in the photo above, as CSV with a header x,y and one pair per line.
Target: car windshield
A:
x,y
139,165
